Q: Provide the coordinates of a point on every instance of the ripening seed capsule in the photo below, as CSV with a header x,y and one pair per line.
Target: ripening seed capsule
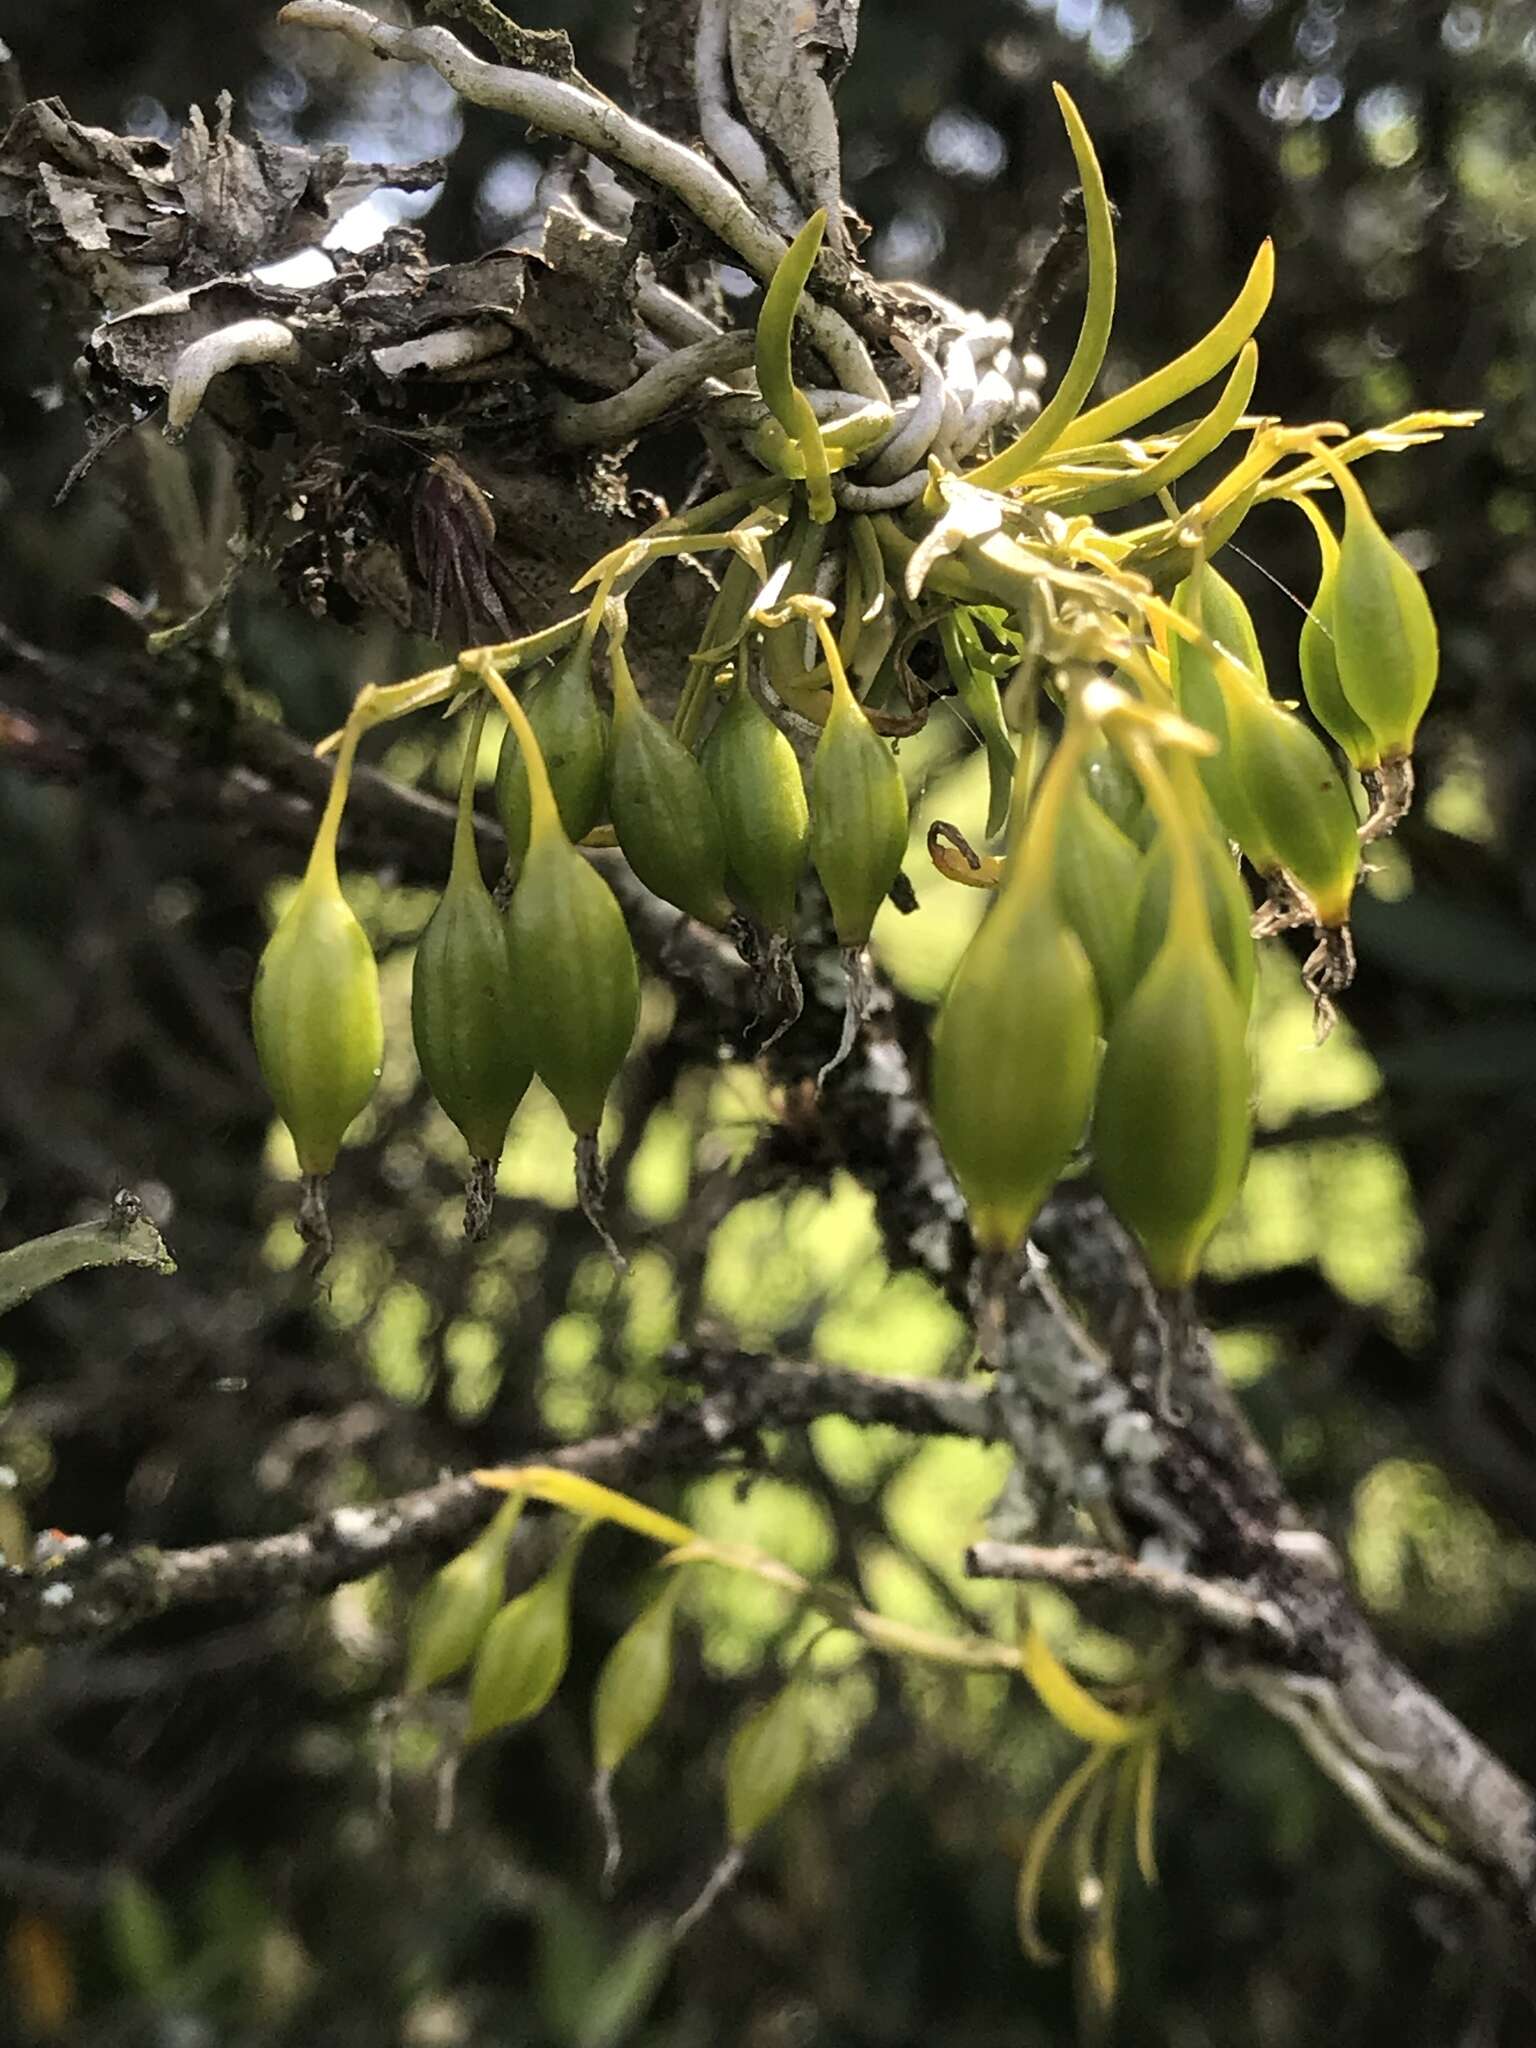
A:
x,y
1118,795
315,1006
1209,600
767,1759
759,794
1098,877
1319,663
858,815
1014,1055
524,1652
662,810
632,1685
574,969
465,1014
455,1608
1385,641
1298,796
1171,1125
1226,903
572,729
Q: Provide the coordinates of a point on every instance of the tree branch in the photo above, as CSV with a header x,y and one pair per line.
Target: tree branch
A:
x,y
73,721
1214,1604
564,109
95,1590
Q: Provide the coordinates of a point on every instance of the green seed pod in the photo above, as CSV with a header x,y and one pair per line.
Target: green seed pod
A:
x,y
1208,600
1318,658
1171,1126
1015,1046
858,815
465,1014
140,1935
1385,641
632,1684
1118,795
572,730
661,807
524,1652
315,1005
456,1606
759,794
767,1759
1098,875
573,966
1298,796
1226,901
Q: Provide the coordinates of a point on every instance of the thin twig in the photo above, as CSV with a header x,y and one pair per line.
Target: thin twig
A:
x,y
96,1590
1214,1603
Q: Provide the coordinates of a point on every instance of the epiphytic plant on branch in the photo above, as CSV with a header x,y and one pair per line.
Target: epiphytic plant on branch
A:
x,y
886,512
853,523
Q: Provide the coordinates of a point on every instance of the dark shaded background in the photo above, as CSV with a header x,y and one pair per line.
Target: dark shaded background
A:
x,y
1390,149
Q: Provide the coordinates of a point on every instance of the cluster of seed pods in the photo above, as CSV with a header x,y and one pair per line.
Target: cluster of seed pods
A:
x,y
550,987
1106,994
1108,991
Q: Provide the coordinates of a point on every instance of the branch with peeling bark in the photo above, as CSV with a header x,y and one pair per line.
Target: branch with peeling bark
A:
x,y
564,109
97,1590
1212,1604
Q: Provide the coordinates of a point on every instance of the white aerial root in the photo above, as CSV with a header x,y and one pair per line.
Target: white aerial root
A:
x,y
228,348
446,348
566,110
674,381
